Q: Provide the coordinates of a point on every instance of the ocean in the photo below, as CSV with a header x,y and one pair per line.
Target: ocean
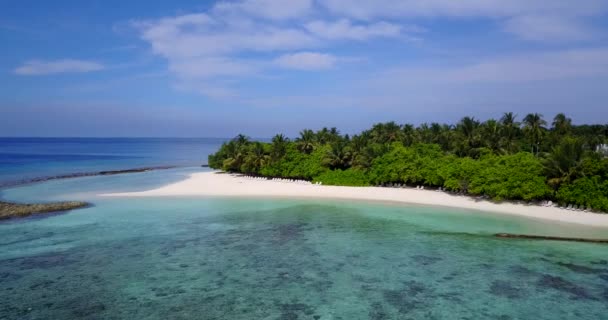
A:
x,y
26,158
237,258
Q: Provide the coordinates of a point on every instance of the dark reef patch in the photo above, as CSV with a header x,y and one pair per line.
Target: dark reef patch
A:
x,y
89,310
377,312
18,210
27,238
560,284
425,260
451,296
168,291
581,269
605,295
521,271
291,311
505,289
44,284
406,300
414,288
82,307
399,300
43,261
288,232
7,276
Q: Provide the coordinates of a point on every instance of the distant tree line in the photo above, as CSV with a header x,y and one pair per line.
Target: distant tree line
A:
x,y
501,159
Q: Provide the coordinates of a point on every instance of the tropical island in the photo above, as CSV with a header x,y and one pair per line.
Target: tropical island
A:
x,y
558,163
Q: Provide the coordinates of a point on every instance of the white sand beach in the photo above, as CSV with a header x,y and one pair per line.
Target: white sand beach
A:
x,y
222,184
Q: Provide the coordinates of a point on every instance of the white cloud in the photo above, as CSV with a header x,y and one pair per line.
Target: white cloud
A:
x,y
547,28
234,41
38,67
531,82
538,20
344,29
368,9
178,37
205,47
560,65
515,83
270,9
202,35
212,44
306,61
569,64
208,67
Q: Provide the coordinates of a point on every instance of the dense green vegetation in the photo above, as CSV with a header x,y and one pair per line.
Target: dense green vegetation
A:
x,y
501,159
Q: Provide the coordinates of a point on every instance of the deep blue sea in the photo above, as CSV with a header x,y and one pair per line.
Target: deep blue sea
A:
x,y
234,258
25,158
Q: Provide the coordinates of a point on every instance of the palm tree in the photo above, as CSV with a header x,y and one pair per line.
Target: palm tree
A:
x,y
358,149
334,134
508,119
241,140
562,124
467,127
534,127
256,158
447,137
408,135
435,132
278,147
424,133
235,152
509,131
440,134
325,136
385,132
564,162
491,134
338,156
322,136
306,141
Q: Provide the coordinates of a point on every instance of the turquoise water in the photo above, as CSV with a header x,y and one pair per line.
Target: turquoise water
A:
x,y
229,258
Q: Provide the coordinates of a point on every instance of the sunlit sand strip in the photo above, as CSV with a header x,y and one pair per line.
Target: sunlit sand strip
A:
x,y
221,184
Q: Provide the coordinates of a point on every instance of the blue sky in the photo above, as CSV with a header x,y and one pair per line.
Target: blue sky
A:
x,y
217,68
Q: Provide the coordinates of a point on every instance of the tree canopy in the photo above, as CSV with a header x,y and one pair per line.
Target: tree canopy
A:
x,y
502,159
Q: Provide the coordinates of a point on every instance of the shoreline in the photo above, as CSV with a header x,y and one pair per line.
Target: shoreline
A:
x,y
215,184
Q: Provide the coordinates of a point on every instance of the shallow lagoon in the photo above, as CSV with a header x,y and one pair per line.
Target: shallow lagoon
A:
x,y
221,258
